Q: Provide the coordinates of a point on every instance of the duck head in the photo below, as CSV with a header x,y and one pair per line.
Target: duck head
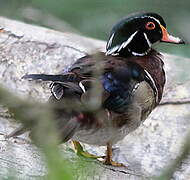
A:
x,y
134,35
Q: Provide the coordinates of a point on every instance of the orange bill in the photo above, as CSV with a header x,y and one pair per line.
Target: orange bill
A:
x,y
166,37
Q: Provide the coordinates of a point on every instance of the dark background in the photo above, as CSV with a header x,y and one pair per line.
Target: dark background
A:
x,y
95,18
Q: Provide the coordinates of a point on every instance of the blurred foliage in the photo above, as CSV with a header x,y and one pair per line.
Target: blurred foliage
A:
x,y
39,118
95,18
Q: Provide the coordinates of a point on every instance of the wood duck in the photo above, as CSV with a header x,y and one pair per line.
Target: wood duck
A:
x,y
130,75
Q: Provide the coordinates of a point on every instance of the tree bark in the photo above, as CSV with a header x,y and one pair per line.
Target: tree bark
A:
x,y
146,152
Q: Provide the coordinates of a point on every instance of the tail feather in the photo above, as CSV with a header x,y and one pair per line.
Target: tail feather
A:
x,y
68,77
43,77
65,129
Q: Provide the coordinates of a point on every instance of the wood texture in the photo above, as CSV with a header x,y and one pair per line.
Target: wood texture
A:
x,y
146,152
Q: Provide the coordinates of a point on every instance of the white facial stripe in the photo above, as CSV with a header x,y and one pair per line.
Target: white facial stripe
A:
x,y
110,40
152,18
123,45
82,87
112,50
153,82
147,40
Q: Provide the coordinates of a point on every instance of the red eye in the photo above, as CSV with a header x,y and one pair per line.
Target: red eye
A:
x,y
150,25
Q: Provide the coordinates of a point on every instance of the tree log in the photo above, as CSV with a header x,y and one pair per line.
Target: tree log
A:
x,y
146,152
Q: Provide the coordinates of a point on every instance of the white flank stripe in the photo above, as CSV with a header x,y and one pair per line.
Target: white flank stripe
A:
x,y
153,82
135,88
82,87
147,40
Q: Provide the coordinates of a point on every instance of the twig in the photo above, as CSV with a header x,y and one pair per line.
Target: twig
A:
x,y
76,49
175,102
124,172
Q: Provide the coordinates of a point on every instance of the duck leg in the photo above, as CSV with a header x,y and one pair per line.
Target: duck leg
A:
x,y
80,151
108,159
